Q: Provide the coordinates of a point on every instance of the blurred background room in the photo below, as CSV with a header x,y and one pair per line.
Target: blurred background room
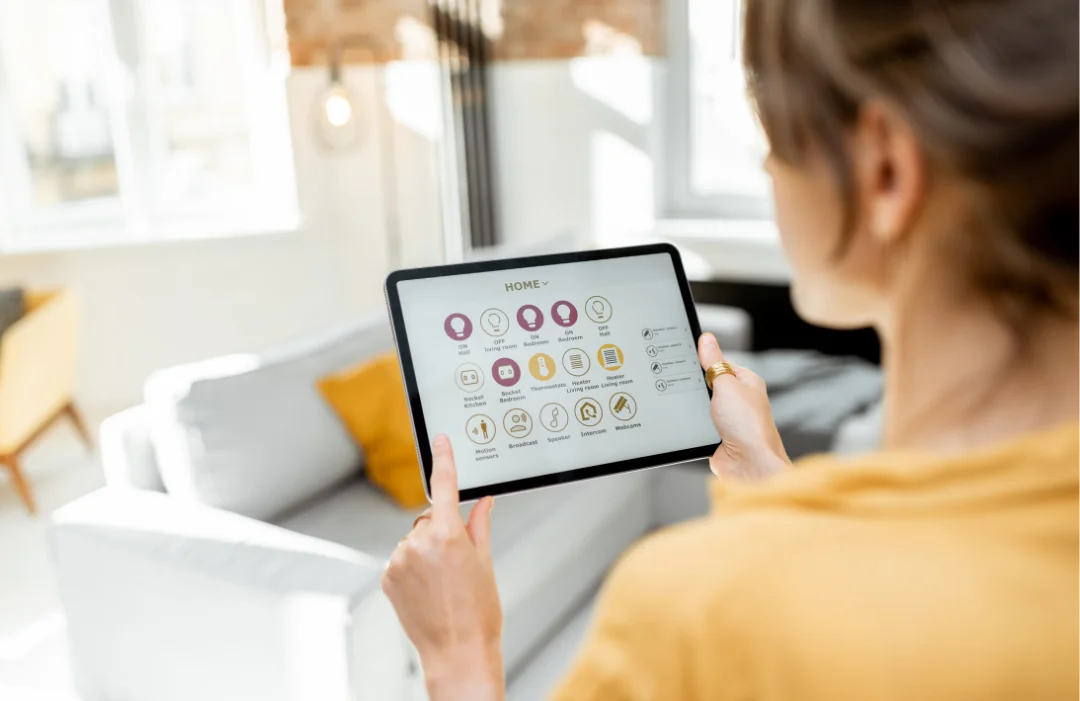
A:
x,y
199,202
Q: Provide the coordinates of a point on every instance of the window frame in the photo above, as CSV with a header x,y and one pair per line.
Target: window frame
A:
x,y
134,216
681,201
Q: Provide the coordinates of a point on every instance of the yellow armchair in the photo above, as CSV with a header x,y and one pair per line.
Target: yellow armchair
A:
x,y
37,378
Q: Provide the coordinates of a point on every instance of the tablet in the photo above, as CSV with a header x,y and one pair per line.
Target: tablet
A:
x,y
552,369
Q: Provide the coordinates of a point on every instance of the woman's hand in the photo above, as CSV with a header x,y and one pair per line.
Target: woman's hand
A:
x,y
751,447
441,582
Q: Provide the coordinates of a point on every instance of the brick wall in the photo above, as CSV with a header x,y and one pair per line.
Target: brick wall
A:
x,y
519,29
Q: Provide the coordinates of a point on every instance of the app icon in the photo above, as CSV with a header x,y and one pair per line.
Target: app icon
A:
x,y
661,386
542,367
656,367
458,327
587,411
469,377
530,317
651,351
506,372
480,429
598,309
564,313
647,334
576,362
518,423
610,357
494,322
622,406
553,417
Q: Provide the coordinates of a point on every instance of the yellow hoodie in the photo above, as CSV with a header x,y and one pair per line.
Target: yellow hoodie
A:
x,y
893,576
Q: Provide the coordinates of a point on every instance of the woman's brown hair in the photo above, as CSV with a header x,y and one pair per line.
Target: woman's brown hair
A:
x,y
990,87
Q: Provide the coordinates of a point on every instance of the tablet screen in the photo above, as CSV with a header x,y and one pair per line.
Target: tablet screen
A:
x,y
537,370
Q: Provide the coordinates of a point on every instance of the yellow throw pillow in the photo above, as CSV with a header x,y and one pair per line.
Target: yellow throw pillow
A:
x,y
370,400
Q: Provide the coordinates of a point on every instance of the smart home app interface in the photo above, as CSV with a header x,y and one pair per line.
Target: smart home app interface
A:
x,y
557,367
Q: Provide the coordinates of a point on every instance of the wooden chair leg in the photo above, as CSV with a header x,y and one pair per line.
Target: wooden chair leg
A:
x,y
80,425
21,485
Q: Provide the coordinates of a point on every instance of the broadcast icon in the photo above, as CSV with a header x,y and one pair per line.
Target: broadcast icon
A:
x,y
517,423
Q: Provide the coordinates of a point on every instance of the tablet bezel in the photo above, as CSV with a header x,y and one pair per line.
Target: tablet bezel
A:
x,y
412,390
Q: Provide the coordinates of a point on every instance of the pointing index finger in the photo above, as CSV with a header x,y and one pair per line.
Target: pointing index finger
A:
x,y
444,486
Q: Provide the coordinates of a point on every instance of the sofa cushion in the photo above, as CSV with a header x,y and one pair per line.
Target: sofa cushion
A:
x,y
250,433
551,546
371,403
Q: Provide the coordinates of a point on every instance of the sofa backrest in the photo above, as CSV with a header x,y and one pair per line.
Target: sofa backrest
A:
x,y
250,433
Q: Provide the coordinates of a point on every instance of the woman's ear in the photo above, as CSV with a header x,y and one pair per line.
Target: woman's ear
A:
x,y
890,172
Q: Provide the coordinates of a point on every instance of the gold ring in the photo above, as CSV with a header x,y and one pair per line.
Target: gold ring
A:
x,y
715,371
421,517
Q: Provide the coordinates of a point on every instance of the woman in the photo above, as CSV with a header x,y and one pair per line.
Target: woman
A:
x,y
924,168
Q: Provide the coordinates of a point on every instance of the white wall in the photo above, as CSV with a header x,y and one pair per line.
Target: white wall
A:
x,y
575,145
154,305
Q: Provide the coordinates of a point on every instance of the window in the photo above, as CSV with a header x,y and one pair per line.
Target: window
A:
x,y
716,146
125,120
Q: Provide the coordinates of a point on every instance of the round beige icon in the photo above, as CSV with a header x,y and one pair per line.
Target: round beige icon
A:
x,y
576,362
622,406
542,367
598,309
588,412
517,423
610,357
494,322
554,417
480,429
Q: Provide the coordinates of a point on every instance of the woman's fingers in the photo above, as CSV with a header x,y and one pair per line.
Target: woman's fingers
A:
x,y
479,526
444,488
709,351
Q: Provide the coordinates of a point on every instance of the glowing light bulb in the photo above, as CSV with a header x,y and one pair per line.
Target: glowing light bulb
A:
x,y
458,325
338,109
563,311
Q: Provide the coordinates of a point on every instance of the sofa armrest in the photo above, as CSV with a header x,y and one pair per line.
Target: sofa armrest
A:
x,y
127,453
168,600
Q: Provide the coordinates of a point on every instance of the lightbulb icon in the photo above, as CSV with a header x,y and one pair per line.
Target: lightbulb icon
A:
x,y
494,320
598,309
458,327
563,312
530,317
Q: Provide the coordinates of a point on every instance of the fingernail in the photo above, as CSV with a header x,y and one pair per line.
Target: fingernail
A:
x,y
441,441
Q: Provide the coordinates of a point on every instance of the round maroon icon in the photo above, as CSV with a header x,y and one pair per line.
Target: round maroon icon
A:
x,y
458,327
530,317
506,372
564,313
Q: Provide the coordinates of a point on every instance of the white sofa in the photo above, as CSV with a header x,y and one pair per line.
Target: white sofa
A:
x,y
237,550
